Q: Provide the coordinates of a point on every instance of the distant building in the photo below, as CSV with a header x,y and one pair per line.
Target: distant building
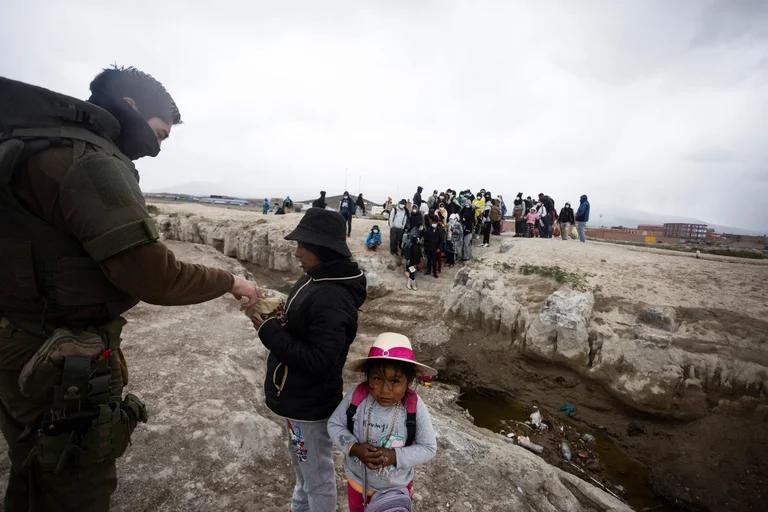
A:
x,y
224,200
685,231
651,229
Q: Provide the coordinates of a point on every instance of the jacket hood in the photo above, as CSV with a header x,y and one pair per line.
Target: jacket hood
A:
x,y
343,272
583,198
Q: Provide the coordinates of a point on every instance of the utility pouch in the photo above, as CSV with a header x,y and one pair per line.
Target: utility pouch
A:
x,y
110,433
43,371
107,437
104,436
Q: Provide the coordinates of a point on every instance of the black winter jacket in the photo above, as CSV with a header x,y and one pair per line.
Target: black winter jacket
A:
x,y
309,348
566,215
468,219
434,238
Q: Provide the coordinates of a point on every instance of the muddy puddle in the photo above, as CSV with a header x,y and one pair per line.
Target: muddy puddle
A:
x,y
596,459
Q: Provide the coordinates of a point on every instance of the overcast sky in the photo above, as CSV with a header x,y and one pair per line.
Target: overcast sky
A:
x,y
650,105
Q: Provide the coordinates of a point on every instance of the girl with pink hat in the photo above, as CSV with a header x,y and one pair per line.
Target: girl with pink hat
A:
x,y
383,427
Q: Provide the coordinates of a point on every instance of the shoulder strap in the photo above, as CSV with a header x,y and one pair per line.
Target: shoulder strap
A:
x,y
411,400
358,395
71,132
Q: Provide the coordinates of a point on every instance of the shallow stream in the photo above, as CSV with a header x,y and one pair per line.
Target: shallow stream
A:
x,y
499,413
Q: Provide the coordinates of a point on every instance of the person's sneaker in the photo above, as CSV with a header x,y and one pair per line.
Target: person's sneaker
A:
x,y
413,285
408,283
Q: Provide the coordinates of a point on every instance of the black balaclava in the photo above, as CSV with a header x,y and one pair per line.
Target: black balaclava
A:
x,y
136,139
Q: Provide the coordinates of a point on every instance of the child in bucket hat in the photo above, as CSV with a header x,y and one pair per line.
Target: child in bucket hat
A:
x,y
383,427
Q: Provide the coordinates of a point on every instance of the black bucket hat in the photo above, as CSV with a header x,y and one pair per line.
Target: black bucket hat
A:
x,y
322,227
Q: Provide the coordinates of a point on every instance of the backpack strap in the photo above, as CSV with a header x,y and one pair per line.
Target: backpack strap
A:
x,y
358,395
411,400
72,132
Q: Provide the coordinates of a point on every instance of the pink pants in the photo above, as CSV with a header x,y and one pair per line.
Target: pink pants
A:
x,y
355,499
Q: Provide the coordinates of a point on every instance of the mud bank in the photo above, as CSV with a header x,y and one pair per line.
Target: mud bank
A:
x,y
666,355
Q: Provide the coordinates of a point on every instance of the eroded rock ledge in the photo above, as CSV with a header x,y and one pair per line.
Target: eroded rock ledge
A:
x,y
673,362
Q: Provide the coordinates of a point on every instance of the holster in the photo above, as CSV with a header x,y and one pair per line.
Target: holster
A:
x,y
84,373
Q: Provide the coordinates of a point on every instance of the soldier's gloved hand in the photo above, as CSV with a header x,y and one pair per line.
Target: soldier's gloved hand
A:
x,y
244,288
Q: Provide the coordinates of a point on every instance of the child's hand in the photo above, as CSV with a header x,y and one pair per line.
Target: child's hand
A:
x,y
387,457
367,453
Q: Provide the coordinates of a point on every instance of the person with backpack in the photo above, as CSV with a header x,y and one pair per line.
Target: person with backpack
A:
x,y
383,427
346,209
308,343
265,206
547,212
70,197
398,218
531,218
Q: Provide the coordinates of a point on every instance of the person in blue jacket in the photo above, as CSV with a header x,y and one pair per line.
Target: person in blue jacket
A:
x,y
265,206
373,241
582,217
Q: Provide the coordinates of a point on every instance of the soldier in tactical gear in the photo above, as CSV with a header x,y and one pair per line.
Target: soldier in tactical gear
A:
x,y
79,249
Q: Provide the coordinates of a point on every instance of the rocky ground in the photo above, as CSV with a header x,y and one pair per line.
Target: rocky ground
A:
x,y
663,353
672,345
211,444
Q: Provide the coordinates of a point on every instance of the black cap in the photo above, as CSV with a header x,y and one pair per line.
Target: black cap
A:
x,y
322,227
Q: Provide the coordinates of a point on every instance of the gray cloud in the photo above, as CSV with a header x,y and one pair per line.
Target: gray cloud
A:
x,y
658,105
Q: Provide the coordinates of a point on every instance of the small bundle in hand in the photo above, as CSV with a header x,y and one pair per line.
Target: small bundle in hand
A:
x,y
266,306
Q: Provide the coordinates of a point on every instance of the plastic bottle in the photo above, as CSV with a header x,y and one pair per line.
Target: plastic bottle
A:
x,y
528,444
536,418
565,449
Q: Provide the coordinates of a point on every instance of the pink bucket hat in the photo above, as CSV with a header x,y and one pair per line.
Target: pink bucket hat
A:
x,y
395,347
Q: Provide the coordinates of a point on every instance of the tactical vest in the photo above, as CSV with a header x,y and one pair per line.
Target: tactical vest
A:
x,y
44,269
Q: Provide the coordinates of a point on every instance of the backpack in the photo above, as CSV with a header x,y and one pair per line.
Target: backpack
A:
x,y
409,401
391,500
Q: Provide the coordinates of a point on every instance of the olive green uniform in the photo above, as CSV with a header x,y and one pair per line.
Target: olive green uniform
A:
x,y
87,253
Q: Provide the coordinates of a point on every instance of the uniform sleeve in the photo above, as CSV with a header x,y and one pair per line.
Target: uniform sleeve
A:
x,y
328,320
151,273
337,426
424,445
103,207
